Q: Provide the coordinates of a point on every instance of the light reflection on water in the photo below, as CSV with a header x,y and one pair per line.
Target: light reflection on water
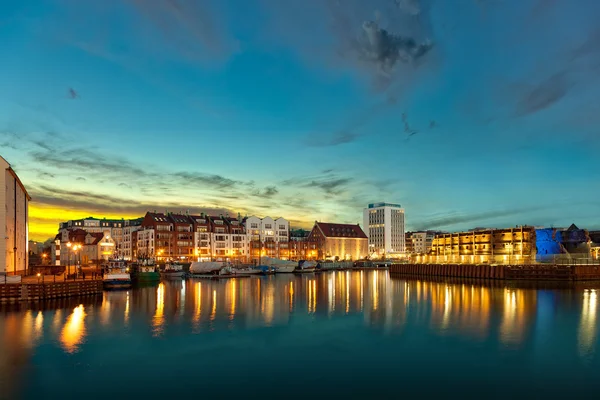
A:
x,y
466,313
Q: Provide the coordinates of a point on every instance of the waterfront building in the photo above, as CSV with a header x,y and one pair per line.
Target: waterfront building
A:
x,y
145,244
128,246
384,226
420,242
14,222
267,237
116,228
408,245
228,239
97,248
511,245
173,236
191,238
339,241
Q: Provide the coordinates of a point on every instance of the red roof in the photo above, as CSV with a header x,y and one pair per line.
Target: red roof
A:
x,y
341,230
97,237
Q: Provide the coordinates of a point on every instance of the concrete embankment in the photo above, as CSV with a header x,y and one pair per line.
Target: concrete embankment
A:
x,y
536,272
13,292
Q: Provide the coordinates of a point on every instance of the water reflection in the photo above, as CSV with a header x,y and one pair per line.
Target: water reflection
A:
x,y
158,320
73,332
474,310
588,325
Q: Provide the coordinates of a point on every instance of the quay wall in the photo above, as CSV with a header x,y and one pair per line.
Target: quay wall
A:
x,y
14,292
532,272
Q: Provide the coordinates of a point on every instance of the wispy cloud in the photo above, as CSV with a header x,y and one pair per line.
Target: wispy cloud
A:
x,y
544,94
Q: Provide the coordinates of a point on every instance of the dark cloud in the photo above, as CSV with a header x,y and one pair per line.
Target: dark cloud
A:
x,y
386,49
45,175
80,178
270,191
206,179
329,183
125,185
342,137
446,220
83,159
544,94
101,204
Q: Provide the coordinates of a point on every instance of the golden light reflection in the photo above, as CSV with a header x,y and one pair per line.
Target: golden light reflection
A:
x,y
347,292
213,312
362,298
198,310
586,337
127,308
233,299
447,307
375,291
39,325
159,316
182,303
291,296
330,295
268,305
73,332
513,319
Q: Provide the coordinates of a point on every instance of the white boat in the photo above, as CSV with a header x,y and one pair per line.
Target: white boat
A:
x,y
117,275
172,271
280,266
306,266
207,267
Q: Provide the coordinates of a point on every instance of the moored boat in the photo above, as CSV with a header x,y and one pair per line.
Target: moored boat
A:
x,y
145,273
280,266
246,271
117,275
172,271
306,266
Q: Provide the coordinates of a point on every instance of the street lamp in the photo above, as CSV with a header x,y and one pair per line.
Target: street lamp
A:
x,y
69,257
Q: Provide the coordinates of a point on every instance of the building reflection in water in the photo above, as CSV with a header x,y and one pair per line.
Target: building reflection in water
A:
x,y
587,333
73,332
476,310
159,316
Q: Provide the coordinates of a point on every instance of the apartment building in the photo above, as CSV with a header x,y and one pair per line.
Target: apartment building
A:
x,y
14,222
267,237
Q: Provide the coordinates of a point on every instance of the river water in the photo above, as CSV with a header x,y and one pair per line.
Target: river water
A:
x,y
359,334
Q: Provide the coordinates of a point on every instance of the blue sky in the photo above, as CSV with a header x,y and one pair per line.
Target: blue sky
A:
x,y
302,109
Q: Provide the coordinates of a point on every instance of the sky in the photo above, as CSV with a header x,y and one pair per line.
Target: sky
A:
x,y
469,113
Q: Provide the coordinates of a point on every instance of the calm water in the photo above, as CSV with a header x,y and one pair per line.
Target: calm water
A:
x,y
342,334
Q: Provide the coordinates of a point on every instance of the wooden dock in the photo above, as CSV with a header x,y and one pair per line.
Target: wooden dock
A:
x,y
14,292
532,272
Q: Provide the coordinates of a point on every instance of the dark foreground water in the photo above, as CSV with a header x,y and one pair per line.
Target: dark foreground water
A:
x,y
337,335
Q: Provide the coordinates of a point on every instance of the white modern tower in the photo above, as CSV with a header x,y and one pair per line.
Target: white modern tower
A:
x,y
384,225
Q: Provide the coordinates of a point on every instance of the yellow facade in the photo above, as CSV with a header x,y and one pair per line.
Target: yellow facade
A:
x,y
492,246
346,248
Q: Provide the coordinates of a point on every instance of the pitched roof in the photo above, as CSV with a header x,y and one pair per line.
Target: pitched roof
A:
x,y
341,230
98,236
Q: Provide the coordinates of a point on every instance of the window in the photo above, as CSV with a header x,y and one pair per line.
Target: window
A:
x,y
254,226
268,226
281,226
